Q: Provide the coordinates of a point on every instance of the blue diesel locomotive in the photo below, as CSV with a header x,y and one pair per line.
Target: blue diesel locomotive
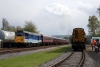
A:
x,y
26,38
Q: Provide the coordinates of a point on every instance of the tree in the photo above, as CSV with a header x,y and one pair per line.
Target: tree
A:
x,y
65,37
10,28
5,24
29,26
70,38
93,25
19,28
98,10
88,39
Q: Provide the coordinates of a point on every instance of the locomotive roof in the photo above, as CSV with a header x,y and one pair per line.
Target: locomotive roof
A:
x,y
29,32
79,28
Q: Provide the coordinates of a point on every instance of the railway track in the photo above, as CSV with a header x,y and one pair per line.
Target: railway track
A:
x,y
82,60
72,60
14,50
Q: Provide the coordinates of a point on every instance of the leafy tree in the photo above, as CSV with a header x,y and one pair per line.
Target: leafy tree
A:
x,y
29,26
98,10
12,28
98,30
65,38
5,24
93,25
19,28
70,38
88,39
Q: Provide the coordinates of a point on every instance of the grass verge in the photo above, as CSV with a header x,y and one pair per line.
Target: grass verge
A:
x,y
0,48
33,60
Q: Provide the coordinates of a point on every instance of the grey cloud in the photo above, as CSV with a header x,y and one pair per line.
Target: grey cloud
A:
x,y
87,8
50,16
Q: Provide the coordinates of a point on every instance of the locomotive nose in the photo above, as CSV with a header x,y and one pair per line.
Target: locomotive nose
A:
x,y
19,39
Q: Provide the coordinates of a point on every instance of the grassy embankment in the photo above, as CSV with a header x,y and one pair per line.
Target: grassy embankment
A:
x,y
0,48
33,60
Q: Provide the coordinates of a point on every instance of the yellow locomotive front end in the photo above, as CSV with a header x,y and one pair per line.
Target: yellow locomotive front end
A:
x,y
78,35
19,39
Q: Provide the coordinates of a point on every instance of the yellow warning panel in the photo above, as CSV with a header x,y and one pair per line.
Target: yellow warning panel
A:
x,y
78,35
19,39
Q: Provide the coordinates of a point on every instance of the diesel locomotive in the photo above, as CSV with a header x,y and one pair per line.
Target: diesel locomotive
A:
x,y
78,39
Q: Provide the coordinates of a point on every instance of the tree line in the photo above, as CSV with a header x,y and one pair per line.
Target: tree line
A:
x,y
29,26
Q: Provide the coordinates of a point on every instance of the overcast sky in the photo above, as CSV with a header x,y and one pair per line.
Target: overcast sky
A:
x,y
51,17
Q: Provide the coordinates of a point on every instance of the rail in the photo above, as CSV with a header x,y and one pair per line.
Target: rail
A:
x,y
82,59
59,62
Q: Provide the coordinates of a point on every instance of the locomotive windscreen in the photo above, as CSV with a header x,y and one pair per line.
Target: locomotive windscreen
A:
x,y
19,33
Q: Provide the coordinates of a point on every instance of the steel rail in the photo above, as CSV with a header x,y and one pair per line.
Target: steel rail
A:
x,y
82,59
59,62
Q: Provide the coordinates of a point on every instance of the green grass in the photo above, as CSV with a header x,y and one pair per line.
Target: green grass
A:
x,y
33,60
0,48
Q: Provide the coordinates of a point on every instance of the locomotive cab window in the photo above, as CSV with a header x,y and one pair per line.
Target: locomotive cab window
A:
x,y
19,34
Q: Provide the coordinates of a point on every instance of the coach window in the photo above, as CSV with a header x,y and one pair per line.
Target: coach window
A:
x,y
38,37
34,37
31,37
